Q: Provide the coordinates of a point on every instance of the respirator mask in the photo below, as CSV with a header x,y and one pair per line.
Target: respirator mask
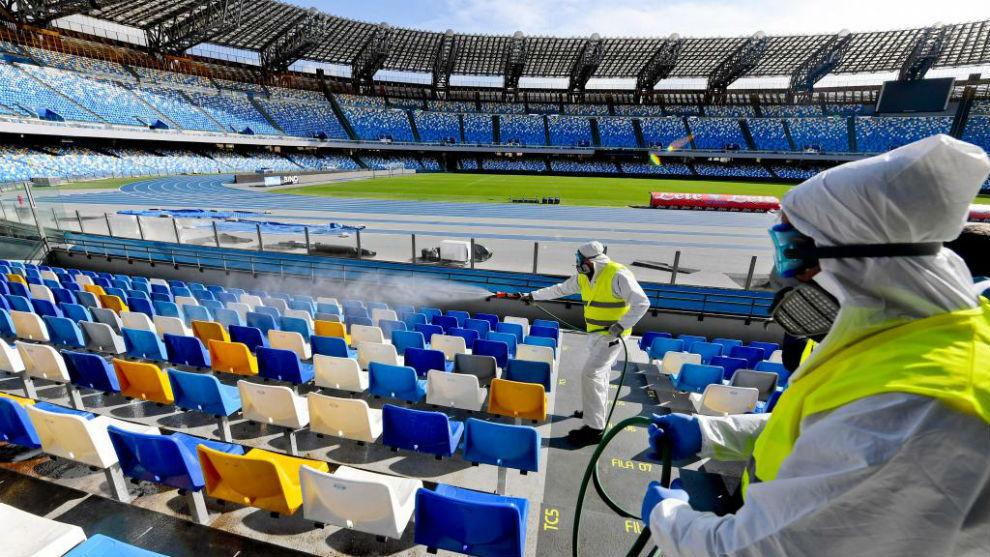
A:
x,y
808,310
583,264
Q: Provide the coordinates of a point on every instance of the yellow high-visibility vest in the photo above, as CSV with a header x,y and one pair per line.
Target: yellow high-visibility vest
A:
x,y
944,357
602,308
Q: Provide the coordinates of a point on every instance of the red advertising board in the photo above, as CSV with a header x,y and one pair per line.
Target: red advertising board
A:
x,y
979,213
714,202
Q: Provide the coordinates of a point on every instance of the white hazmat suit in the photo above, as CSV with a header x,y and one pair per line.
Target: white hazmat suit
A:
x,y
601,356
887,475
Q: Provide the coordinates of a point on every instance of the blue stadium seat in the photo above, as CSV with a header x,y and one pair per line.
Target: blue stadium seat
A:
x,y
469,335
63,296
141,305
250,336
359,320
691,339
99,545
662,345
269,310
707,350
186,351
6,325
727,343
227,317
768,347
261,321
326,307
420,430
44,307
195,313
514,329
91,371
546,323
774,367
425,359
496,349
546,332
302,304
492,320
503,445
395,382
471,522
15,425
166,459
168,309
526,371
695,377
64,332
647,339
159,297
387,326
212,305
144,345
428,330
430,312
460,316
751,354
204,393
447,322
479,325
729,365
332,346
412,319
296,325
407,339
542,341
508,338
283,365
87,299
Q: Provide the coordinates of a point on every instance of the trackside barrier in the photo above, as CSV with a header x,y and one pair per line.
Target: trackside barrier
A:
x,y
743,303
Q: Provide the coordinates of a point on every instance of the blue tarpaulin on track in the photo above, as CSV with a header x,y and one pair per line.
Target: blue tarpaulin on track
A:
x,y
189,213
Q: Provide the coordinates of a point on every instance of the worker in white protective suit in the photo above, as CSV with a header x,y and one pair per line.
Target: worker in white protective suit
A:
x,y
613,303
880,445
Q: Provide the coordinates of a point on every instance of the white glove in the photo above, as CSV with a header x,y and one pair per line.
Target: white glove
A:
x,y
616,330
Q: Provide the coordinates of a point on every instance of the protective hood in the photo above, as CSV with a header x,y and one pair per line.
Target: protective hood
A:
x,y
918,193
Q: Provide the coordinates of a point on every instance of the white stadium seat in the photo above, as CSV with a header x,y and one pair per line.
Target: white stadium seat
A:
x,y
364,333
29,326
10,358
42,292
347,418
290,340
454,390
43,362
36,536
360,500
251,300
100,337
242,309
273,405
720,400
450,345
339,373
672,361
535,353
378,314
137,320
374,352
171,326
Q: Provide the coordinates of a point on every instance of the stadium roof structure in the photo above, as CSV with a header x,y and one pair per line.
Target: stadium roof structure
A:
x,y
283,33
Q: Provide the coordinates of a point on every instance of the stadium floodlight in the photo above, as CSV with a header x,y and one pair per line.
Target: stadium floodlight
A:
x,y
743,59
924,54
371,57
443,62
587,62
660,65
179,30
821,62
515,63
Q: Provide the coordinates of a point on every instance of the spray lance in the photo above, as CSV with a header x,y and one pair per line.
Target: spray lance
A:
x,y
591,471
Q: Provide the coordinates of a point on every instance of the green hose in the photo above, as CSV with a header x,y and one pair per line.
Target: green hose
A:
x,y
591,472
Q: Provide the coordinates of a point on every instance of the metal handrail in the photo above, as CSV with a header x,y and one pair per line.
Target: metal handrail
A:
x,y
228,259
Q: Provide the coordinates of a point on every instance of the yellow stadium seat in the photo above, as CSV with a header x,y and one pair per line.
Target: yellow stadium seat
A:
x,y
258,478
206,331
11,277
331,329
143,381
18,399
517,400
95,289
232,357
113,302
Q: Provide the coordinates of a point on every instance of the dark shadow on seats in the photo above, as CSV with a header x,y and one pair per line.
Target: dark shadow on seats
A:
x,y
351,542
416,465
349,452
188,420
143,409
261,521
